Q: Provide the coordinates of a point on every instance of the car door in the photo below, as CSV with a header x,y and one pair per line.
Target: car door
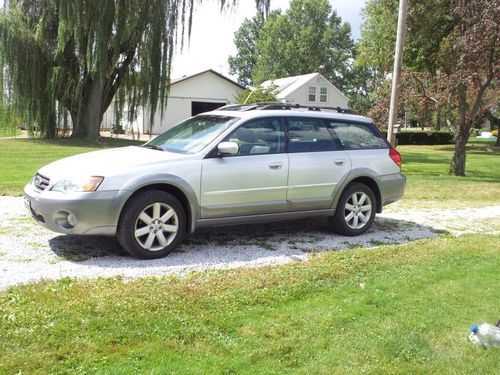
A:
x,y
317,164
252,182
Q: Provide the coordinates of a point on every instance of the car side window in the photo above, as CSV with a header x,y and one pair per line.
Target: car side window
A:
x,y
357,136
260,136
309,135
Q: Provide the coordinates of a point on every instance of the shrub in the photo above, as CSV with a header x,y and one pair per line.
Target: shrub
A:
x,y
424,138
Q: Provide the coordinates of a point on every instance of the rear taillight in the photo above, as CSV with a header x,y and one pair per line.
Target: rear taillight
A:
x,y
396,157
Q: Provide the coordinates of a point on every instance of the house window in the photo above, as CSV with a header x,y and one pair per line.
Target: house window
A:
x,y
323,95
312,94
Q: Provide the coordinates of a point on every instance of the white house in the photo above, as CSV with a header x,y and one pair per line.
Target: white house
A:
x,y
308,89
189,95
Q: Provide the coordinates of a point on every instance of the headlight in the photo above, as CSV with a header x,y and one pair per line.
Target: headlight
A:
x,y
78,185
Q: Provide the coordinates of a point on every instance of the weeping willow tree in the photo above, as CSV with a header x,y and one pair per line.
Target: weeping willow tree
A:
x,y
63,59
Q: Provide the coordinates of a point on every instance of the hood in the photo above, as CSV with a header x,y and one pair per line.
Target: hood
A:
x,y
107,162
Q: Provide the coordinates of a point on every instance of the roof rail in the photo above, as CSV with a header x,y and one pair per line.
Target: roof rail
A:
x,y
237,107
281,106
245,107
316,108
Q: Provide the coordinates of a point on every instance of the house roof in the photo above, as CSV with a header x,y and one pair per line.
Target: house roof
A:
x,y
286,86
173,81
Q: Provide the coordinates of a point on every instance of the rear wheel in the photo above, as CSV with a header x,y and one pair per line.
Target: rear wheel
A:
x,y
151,225
355,210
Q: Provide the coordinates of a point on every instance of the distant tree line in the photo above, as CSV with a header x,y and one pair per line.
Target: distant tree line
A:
x,y
308,37
450,65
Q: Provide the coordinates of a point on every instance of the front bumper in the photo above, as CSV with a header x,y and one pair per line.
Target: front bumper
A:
x,y
92,212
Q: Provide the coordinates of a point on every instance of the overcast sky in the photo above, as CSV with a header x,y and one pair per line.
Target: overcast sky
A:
x,y
212,35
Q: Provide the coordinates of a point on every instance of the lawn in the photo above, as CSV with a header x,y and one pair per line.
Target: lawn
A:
x,y
430,186
21,158
482,141
8,132
393,309
426,167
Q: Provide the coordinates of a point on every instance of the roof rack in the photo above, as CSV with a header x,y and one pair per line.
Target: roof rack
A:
x,y
281,106
244,107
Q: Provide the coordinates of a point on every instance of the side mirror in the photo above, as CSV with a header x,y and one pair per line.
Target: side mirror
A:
x,y
228,148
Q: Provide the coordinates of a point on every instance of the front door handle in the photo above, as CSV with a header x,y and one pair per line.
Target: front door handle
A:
x,y
339,162
276,165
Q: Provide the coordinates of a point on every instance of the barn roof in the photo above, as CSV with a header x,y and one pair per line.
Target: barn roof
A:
x,y
173,81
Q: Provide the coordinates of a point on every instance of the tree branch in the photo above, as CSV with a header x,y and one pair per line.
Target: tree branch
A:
x,y
484,86
115,78
424,91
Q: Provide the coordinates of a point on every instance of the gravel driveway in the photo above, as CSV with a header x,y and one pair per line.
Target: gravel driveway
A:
x,y
30,253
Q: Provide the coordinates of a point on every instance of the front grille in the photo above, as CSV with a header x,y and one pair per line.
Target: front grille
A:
x,y
41,182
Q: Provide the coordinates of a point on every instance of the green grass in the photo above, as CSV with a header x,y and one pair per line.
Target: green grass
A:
x,y
426,167
21,158
429,184
9,132
393,309
482,142
8,123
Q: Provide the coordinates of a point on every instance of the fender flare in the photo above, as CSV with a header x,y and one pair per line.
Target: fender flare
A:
x,y
351,176
143,181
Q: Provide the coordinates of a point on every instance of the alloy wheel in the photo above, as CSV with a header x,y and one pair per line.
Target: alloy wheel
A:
x,y
357,210
156,226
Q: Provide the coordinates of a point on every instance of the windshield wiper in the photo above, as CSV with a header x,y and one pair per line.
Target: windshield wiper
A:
x,y
154,147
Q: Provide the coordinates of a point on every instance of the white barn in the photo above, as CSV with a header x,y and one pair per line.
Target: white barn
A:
x,y
308,89
189,95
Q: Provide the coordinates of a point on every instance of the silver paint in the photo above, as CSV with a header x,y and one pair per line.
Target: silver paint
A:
x,y
220,190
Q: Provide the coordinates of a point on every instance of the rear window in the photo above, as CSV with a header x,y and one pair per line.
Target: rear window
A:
x,y
356,136
309,135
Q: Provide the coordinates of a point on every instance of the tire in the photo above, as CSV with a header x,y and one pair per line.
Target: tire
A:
x,y
351,217
151,225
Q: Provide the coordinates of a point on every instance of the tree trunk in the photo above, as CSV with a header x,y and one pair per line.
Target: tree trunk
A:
x,y
494,125
457,167
438,118
87,121
50,126
47,118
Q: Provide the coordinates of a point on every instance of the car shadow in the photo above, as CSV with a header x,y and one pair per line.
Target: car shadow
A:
x,y
79,248
238,245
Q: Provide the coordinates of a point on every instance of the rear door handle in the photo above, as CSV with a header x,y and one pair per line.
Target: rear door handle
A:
x,y
276,165
339,162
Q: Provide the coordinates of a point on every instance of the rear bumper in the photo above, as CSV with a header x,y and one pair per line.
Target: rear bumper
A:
x,y
392,188
93,212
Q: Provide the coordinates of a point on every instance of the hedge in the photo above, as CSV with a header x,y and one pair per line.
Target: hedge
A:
x,y
424,138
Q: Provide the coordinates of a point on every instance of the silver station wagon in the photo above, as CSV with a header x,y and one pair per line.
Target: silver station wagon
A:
x,y
239,164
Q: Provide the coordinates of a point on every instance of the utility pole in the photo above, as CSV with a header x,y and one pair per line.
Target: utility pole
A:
x,y
396,74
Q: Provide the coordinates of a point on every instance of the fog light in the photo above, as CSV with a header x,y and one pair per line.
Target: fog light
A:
x,y
71,220
65,220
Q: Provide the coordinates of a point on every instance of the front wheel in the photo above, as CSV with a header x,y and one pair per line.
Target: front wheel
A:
x,y
355,210
152,224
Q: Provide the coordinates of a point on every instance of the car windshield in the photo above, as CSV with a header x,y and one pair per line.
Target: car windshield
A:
x,y
192,135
